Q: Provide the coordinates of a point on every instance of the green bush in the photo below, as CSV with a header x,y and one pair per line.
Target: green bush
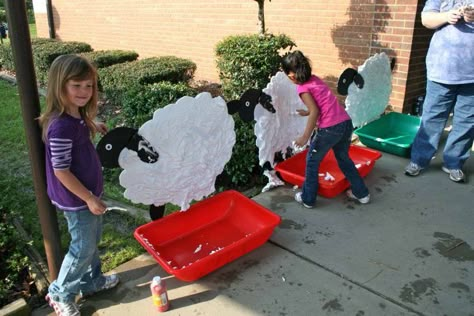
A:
x,y
3,16
38,41
147,71
249,61
45,51
244,62
6,57
106,58
114,80
241,166
13,260
140,102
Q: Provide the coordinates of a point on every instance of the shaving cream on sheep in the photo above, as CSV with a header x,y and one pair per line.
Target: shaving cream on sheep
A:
x,y
367,104
275,132
194,138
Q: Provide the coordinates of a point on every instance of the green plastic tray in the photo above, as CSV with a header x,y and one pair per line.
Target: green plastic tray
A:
x,y
393,133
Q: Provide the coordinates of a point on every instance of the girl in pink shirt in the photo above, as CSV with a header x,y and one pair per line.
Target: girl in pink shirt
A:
x,y
334,130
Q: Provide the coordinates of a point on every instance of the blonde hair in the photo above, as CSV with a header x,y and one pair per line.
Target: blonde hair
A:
x,y
63,69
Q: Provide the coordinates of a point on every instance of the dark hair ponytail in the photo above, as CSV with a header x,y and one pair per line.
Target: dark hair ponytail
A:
x,y
299,64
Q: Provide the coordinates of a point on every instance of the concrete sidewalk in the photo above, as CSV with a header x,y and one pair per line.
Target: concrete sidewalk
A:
x,y
408,252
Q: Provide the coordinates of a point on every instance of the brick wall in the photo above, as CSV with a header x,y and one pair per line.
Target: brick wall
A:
x,y
416,80
335,35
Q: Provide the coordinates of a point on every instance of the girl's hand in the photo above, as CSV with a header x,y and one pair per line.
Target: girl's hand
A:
x,y
453,16
301,141
468,13
302,112
95,205
101,128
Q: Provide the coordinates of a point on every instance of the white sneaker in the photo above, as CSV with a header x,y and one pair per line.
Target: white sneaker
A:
x,y
63,309
455,175
363,200
111,281
412,169
299,199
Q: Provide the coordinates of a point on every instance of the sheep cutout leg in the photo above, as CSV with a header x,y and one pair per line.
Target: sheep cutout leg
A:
x,y
275,132
367,103
194,138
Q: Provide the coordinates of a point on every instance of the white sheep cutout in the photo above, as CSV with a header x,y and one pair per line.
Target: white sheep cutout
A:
x,y
194,138
365,104
276,132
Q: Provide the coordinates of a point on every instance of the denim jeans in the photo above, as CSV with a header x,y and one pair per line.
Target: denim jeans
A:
x,y
81,268
337,137
441,100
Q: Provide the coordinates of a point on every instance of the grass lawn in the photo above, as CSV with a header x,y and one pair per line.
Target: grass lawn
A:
x,y
118,244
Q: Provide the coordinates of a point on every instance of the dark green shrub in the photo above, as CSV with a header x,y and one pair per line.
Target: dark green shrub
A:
x,y
140,102
106,58
3,16
115,79
240,168
6,57
147,71
13,260
37,41
45,52
249,61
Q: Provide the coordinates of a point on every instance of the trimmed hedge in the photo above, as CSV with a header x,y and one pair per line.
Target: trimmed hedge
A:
x,y
45,51
114,80
6,54
140,102
14,260
6,57
106,58
147,71
249,61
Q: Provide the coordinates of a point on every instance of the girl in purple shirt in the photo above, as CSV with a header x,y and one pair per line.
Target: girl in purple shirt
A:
x,y
334,130
74,178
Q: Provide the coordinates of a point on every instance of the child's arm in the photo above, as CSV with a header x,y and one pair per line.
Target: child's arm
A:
x,y
69,180
312,118
434,20
101,127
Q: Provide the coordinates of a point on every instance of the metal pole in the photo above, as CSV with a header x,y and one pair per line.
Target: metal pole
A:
x,y
30,106
49,11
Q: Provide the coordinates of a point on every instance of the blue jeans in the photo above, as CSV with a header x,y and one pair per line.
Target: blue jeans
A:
x,y
337,137
441,100
81,268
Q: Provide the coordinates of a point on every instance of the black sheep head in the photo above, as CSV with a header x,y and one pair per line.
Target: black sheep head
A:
x,y
245,106
349,76
112,144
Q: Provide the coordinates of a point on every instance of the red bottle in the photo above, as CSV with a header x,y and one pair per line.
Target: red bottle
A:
x,y
159,294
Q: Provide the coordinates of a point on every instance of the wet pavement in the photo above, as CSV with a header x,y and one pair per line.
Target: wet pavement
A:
x,y
409,252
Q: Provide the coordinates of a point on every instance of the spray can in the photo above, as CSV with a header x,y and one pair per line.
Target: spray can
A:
x,y
418,106
159,294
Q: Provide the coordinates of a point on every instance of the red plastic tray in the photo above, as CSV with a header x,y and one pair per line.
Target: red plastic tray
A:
x,y
210,234
292,170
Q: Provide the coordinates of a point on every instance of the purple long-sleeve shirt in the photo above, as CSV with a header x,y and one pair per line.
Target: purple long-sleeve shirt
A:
x,y
68,146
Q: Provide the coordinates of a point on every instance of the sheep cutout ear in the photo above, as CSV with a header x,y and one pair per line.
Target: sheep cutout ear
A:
x,y
347,77
112,144
247,103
